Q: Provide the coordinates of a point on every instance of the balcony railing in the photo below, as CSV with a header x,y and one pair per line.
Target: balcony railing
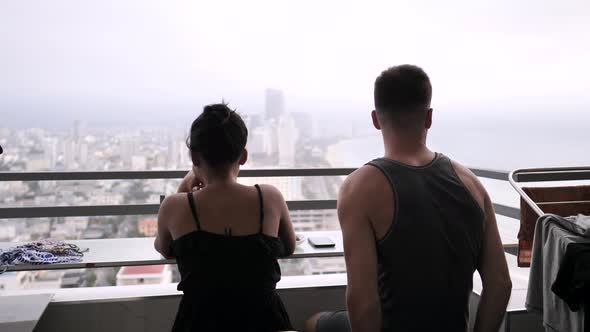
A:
x,y
142,209
107,252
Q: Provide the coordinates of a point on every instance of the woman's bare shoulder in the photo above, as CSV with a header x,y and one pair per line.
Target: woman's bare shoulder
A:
x,y
270,192
171,203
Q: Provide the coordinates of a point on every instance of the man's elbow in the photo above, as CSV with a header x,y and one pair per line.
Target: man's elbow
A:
x,y
505,283
499,287
507,287
364,305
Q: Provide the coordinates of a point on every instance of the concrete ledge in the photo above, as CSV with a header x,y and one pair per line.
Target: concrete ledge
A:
x,y
137,292
153,307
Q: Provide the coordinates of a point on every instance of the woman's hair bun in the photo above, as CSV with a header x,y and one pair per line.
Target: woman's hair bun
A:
x,y
218,135
220,112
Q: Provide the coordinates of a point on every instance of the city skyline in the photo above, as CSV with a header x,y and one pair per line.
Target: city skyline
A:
x,y
100,86
275,141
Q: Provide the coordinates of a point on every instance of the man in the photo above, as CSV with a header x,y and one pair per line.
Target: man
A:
x,y
416,226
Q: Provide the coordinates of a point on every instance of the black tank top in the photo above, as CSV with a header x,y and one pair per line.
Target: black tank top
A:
x,y
427,258
229,281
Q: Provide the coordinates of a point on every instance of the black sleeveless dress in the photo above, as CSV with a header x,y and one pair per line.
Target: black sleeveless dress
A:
x,y
229,281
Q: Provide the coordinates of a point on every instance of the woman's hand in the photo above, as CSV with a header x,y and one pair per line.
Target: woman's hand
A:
x,y
192,182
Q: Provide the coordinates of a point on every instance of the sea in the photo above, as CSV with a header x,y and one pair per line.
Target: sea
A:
x,y
491,142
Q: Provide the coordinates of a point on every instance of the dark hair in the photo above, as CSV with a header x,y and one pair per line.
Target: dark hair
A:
x,y
402,91
218,135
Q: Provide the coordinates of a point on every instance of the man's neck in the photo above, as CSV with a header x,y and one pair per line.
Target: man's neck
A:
x,y
412,152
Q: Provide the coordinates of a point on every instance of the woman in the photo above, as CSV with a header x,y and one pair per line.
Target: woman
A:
x,y
226,237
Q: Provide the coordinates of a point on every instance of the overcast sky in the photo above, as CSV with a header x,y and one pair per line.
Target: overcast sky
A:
x,y
129,55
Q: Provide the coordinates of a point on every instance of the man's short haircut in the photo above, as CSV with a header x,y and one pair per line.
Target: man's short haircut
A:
x,y
403,94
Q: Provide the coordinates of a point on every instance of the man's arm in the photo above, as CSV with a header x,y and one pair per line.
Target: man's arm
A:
x,y
492,266
494,275
362,298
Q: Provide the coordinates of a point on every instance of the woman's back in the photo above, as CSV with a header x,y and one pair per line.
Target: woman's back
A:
x,y
226,237
226,245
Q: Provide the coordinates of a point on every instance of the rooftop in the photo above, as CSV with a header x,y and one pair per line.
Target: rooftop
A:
x,y
142,270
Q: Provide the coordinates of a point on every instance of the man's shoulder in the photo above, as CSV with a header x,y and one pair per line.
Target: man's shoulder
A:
x,y
462,170
364,180
470,181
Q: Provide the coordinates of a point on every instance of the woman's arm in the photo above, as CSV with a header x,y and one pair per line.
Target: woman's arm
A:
x,y
286,233
190,182
163,237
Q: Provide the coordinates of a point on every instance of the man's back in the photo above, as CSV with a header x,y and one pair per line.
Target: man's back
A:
x,y
415,227
430,249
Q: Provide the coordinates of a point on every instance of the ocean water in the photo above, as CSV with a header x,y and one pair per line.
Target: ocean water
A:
x,y
497,143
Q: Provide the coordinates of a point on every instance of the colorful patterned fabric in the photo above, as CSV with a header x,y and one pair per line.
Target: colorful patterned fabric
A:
x,y
41,252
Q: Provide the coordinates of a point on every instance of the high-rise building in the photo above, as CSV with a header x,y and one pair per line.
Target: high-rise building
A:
x,y
184,155
274,103
286,141
36,160
290,187
127,150
50,151
314,220
138,163
83,154
77,132
69,154
325,265
304,124
259,144
173,152
255,121
273,126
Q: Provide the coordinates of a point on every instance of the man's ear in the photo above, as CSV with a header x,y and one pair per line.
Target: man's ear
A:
x,y
428,121
375,118
244,157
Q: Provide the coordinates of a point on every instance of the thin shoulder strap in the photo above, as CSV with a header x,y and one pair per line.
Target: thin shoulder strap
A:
x,y
191,203
261,206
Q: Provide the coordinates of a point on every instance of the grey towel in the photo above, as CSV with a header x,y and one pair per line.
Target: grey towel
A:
x,y
579,224
549,246
582,223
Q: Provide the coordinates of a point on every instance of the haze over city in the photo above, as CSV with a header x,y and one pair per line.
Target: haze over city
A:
x,y
112,63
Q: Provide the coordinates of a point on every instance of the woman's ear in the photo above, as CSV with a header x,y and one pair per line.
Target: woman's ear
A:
x,y
244,157
196,160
